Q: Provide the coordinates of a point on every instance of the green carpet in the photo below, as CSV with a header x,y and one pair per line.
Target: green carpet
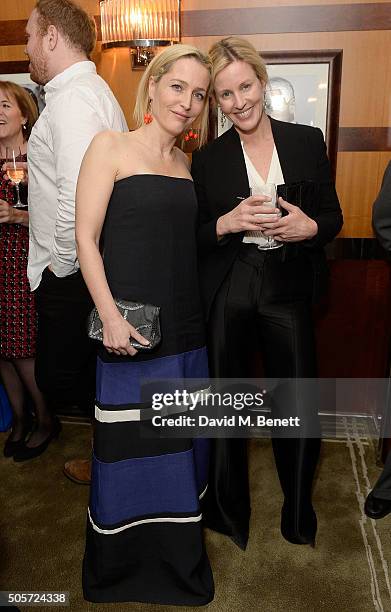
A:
x,y
42,521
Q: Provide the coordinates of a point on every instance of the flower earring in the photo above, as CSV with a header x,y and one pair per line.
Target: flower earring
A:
x,y
148,117
191,134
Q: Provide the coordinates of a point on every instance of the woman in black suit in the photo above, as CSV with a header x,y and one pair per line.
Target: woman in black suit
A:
x,y
252,292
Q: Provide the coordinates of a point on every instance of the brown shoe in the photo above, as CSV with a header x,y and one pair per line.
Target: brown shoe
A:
x,y
78,470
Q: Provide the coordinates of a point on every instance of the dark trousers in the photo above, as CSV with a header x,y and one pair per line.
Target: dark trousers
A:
x,y
382,488
65,359
264,302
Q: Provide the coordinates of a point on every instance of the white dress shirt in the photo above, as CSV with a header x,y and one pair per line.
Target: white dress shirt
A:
x,y
79,104
255,180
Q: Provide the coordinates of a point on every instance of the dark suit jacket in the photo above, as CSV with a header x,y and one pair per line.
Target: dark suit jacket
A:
x,y
220,177
381,214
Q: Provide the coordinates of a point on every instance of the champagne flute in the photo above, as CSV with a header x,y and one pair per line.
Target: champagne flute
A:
x,y
268,189
14,167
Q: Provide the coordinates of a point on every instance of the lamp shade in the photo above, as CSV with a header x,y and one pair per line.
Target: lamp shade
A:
x,y
140,23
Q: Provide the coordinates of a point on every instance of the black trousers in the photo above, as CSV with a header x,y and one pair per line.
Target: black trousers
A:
x,y
264,301
65,360
382,488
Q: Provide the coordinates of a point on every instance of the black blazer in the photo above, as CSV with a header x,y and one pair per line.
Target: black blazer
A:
x,y
220,177
381,214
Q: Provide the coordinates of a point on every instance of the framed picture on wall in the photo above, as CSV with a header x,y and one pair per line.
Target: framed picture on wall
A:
x,y
17,72
304,87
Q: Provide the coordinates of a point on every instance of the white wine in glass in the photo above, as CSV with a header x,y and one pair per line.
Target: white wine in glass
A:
x,y
268,189
14,167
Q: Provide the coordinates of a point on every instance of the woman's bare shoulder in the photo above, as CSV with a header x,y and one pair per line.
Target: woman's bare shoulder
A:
x,y
107,139
182,157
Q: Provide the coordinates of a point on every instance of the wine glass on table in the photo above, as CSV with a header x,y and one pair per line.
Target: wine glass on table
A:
x,y
15,169
270,190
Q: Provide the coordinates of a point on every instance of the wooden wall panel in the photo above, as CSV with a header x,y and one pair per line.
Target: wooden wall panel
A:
x,y
200,5
365,76
359,176
364,138
114,65
11,53
277,19
16,9
21,9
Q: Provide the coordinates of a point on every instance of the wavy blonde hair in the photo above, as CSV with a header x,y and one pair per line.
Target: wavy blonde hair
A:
x,y
232,49
160,65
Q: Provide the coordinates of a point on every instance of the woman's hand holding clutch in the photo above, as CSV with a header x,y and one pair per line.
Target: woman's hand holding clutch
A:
x,y
117,334
293,227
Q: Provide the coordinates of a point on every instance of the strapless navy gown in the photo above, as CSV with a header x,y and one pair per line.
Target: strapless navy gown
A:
x,y
144,532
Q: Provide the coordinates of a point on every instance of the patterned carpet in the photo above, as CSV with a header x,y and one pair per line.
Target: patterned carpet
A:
x,y
42,520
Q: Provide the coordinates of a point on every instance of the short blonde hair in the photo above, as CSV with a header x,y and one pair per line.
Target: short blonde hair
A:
x,y
160,65
25,103
232,49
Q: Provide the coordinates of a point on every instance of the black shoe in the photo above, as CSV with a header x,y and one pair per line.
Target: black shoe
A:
x,y
377,508
296,531
14,446
27,453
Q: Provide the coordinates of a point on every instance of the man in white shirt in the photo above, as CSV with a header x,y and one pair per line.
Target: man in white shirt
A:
x,y
79,104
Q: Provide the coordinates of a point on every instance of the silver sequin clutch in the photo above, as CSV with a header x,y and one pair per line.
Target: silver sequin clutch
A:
x,y
143,317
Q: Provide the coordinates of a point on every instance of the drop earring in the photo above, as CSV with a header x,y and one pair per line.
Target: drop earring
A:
x,y
148,117
223,119
264,100
191,134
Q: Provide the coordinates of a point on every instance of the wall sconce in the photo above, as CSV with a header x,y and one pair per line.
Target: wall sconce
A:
x,y
142,25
